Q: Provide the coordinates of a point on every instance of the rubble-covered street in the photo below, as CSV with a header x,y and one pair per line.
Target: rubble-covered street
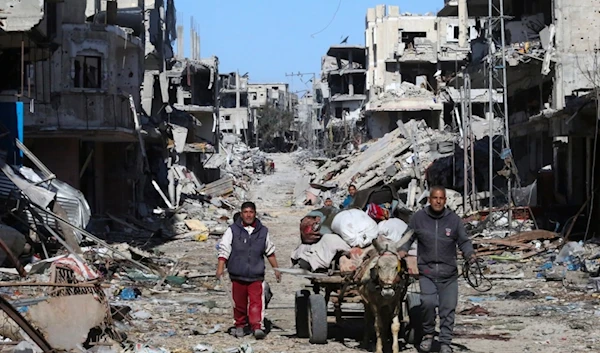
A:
x,y
394,151
522,313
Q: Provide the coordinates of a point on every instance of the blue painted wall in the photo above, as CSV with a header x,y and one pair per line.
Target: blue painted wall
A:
x,y
11,118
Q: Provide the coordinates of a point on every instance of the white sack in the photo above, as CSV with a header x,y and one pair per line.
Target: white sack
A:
x,y
355,227
392,229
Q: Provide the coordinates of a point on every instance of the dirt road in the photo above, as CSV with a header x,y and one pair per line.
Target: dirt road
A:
x,y
554,320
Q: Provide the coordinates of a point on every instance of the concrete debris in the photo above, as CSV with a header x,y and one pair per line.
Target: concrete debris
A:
x,y
397,158
66,321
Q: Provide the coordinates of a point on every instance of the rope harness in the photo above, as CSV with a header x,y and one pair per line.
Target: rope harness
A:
x,y
472,272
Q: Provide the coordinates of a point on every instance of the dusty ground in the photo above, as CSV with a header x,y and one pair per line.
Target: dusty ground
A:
x,y
555,320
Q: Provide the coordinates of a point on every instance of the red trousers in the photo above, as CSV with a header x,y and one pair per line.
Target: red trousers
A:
x,y
249,304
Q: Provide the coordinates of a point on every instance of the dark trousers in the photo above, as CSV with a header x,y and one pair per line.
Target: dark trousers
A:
x,y
441,294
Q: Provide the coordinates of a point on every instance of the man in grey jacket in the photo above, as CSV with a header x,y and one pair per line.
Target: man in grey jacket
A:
x,y
438,232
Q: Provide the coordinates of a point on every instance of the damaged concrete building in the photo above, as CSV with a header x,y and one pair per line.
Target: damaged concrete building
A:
x,y
550,63
436,68
77,114
234,111
344,92
308,126
406,54
75,69
275,95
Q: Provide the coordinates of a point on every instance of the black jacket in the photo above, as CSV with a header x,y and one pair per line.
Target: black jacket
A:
x,y
437,237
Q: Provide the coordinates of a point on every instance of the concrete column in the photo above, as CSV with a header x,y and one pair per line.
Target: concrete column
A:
x,y
99,177
463,23
570,167
237,90
351,85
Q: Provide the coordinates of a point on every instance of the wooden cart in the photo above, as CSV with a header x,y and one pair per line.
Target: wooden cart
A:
x,y
312,307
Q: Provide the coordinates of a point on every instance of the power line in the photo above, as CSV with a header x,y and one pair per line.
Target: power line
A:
x,y
330,22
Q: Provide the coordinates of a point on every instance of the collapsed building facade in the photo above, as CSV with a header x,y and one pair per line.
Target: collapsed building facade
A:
x,y
234,109
404,54
549,66
344,92
75,70
522,101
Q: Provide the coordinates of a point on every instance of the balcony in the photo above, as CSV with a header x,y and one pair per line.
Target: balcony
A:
x,y
84,89
90,116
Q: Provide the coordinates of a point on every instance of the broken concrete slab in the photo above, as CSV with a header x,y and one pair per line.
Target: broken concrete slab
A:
x,y
67,321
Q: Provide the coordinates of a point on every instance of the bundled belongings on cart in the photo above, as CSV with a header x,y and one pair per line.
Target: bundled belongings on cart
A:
x,y
385,196
320,246
338,240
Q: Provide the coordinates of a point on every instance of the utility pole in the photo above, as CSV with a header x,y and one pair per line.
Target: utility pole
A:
x,y
463,23
497,82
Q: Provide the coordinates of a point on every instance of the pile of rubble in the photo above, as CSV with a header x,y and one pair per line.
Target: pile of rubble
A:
x,y
201,209
400,157
82,272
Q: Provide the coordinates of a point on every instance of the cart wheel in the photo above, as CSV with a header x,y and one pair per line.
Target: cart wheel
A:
x,y
317,319
301,312
414,329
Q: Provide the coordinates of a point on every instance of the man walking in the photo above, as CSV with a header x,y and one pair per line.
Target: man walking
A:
x,y
438,232
242,249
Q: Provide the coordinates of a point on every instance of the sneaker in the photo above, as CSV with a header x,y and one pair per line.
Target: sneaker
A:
x,y
445,349
426,344
259,334
238,332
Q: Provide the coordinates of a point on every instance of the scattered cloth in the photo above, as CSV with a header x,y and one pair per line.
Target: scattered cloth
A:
x,y
476,310
520,294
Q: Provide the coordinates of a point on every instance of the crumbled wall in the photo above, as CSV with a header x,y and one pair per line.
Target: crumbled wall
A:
x,y
66,106
238,119
20,16
577,27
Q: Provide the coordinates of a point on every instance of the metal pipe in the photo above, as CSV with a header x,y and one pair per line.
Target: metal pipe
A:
x,y
505,105
31,331
22,68
92,237
491,104
465,144
47,173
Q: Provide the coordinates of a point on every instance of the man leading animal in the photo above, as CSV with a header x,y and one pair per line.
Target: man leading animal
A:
x,y
438,231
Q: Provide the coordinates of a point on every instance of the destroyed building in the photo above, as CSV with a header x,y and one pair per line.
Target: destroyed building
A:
x,y
75,82
308,127
406,54
436,68
344,91
234,112
550,68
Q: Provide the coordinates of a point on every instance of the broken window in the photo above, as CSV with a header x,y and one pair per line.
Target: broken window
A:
x,y
338,112
87,72
408,38
253,95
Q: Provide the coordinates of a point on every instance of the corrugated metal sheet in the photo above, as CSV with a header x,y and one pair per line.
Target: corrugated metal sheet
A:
x,y
77,213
